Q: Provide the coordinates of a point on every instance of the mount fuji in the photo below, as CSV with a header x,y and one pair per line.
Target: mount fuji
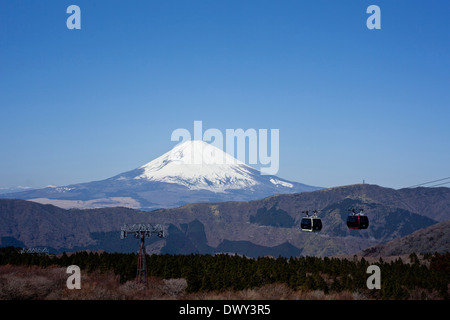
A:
x,y
193,171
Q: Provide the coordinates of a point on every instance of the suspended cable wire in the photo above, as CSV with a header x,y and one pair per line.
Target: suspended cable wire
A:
x,y
421,184
440,184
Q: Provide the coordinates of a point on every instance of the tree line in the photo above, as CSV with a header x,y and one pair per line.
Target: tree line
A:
x,y
399,280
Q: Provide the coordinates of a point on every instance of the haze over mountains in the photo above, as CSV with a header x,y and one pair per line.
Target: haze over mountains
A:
x,y
193,171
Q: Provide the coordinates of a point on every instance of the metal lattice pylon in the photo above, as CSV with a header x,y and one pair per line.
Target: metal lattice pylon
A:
x,y
141,231
141,273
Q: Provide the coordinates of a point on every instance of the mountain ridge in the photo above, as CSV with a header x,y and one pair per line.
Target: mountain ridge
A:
x,y
435,238
266,225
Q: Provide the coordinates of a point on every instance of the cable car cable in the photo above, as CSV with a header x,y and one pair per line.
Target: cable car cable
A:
x,y
440,184
421,184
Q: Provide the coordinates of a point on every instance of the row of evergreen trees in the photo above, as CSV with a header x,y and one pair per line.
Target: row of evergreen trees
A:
x,y
233,272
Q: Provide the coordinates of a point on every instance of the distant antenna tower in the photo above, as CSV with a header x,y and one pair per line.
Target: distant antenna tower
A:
x,y
141,231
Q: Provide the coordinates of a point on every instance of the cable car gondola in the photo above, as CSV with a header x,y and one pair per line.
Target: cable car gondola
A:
x,y
311,223
357,220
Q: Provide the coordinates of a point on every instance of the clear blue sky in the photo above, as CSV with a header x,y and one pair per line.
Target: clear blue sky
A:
x,y
350,103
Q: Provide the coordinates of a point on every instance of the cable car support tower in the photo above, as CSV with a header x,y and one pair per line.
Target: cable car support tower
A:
x,y
141,231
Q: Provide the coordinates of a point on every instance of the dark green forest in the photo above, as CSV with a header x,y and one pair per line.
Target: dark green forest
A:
x,y
429,274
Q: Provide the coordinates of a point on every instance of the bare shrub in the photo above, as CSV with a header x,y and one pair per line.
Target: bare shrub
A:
x,y
423,294
275,291
25,283
96,286
174,287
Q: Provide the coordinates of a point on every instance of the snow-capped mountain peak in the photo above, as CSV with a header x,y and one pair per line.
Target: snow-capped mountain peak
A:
x,y
199,165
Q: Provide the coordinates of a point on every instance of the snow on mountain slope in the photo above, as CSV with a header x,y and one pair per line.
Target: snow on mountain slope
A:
x,y
281,183
199,165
